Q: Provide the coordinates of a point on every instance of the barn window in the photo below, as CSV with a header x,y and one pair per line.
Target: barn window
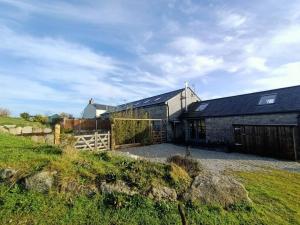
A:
x,y
267,99
201,107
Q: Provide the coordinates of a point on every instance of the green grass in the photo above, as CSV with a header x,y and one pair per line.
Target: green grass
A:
x,y
18,122
275,194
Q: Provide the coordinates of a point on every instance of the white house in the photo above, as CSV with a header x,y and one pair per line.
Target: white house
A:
x,y
93,110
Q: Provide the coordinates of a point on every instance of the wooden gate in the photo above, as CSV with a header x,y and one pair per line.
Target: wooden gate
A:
x,y
278,141
94,141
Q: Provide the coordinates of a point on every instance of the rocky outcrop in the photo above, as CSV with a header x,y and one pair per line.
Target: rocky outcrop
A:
x,y
163,193
118,186
6,174
41,182
210,188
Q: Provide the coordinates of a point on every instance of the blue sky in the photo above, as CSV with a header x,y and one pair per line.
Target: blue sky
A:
x,y
55,55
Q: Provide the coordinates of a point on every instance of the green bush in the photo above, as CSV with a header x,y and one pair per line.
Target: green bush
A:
x,y
131,131
40,118
25,116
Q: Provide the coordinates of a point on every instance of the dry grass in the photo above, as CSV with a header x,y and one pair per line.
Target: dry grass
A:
x,y
192,166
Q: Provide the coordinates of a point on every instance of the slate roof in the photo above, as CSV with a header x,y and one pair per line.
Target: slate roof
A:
x,y
287,100
154,100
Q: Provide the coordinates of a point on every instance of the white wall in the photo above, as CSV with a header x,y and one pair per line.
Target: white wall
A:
x,y
89,112
99,112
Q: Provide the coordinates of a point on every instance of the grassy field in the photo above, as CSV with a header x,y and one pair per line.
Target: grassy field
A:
x,y
275,194
18,121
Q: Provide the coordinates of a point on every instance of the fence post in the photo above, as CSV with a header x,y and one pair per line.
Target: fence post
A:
x,y
96,140
57,134
113,141
108,140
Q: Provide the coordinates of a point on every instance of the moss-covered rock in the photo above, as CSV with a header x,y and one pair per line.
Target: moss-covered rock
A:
x,y
217,189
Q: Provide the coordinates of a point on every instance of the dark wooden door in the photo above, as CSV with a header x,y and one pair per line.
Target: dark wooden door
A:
x,y
278,141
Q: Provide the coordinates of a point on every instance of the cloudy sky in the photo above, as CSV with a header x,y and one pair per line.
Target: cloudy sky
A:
x,y
55,55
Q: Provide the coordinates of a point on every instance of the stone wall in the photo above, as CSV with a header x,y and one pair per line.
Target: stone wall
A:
x,y
42,135
177,103
156,111
220,130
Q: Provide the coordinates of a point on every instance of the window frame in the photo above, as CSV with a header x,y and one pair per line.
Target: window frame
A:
x,y
205,105
265,102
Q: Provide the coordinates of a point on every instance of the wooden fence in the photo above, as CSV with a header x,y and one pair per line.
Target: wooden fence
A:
x,y
278,141
86,124
96,141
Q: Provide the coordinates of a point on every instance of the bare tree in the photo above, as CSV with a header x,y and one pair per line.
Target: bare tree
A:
x,y
4,112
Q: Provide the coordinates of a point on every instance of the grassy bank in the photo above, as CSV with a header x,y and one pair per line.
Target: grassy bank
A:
x,y
18,122
275,194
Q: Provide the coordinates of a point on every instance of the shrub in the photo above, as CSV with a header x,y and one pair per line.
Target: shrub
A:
x,y
115,200
67,140
192,166
131,131
4,112
178,177
105,156
25,115
40,118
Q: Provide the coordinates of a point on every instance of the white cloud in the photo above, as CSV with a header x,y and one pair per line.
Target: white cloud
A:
x,y
256,63
184,66
187,45
52,50
110,12
288,35
283,76
60,71
231,20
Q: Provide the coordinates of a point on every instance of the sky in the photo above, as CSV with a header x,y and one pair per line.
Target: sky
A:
x,y
56,55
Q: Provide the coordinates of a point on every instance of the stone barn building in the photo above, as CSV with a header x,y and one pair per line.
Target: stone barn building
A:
x,y
168,106
212,121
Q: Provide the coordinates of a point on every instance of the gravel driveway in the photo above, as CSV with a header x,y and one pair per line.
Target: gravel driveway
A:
x,y
215,161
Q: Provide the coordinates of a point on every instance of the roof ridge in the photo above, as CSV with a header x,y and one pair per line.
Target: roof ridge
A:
x,y
152,96
258,92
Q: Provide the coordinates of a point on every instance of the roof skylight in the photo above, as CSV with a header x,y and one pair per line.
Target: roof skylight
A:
x,y
267,99
157,99
147,101
201,107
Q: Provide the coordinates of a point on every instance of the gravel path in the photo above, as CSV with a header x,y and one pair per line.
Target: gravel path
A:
x,y
215,161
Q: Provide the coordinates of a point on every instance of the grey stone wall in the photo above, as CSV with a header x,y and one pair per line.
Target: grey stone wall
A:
x,y
220,129
157,111
41,135
177,104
